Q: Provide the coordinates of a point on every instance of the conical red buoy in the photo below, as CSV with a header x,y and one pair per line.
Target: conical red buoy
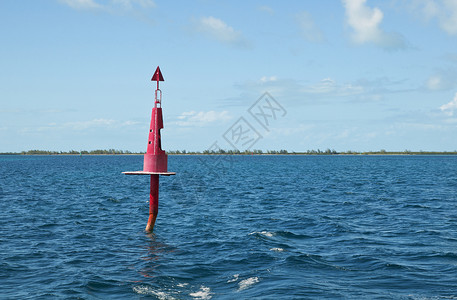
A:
x,y
155,159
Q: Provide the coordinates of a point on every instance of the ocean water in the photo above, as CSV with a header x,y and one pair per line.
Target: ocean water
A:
x,y
264,227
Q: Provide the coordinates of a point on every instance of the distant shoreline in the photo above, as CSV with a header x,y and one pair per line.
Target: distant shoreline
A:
x,y
222,152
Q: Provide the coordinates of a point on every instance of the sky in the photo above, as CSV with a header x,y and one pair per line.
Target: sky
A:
x,y
359,75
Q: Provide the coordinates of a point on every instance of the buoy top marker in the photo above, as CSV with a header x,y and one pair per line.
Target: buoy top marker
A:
x,y
157,75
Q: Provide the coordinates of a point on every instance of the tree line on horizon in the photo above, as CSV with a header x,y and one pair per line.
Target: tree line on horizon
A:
x,y
233,152
71,152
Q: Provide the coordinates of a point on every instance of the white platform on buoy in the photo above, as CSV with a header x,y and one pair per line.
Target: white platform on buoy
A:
x,y
149,173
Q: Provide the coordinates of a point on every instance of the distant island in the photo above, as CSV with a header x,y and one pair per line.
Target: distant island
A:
x,y
233,152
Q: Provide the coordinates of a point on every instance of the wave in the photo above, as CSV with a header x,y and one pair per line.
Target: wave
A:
x,y
277,249
203,294
246,283
234,279
149,291
263,233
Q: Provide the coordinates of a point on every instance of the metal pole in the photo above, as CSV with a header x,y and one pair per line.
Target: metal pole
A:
x,y
153,202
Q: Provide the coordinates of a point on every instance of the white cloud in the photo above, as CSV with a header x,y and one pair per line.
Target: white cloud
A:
x,y
130,123
326,85
442,80
365,22
434,83
449,108
81,4
445,11
193,118
219,30
137,9
186,114
330,86
110,5
308,29
449,21
266,9
267,79
429,8
98,123
131,3
326,89
80,125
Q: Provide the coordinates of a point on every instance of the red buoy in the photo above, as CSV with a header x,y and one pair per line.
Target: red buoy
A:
x,y
155,159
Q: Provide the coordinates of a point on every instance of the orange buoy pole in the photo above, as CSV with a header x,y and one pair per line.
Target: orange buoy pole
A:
x,y
153,202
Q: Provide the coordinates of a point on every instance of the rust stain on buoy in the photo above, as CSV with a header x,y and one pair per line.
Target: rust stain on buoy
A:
x,y
155,160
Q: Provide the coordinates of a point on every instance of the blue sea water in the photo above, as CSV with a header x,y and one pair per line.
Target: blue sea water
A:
x,y
265,227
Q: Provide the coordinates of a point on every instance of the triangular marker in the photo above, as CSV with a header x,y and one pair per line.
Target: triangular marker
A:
x,y
157,75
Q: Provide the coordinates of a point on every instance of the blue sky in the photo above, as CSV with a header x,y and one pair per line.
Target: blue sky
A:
x,y
345,75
